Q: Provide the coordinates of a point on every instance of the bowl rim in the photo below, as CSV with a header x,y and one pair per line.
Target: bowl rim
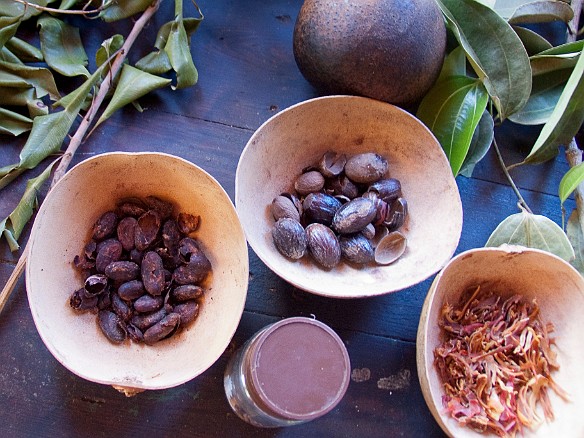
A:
x,y
135,387
355,293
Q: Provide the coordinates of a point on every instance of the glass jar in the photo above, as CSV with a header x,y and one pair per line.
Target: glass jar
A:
x,y
288,373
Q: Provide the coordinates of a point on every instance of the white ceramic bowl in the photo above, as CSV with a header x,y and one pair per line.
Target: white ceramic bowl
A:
x,y
298,137
60,231
559,290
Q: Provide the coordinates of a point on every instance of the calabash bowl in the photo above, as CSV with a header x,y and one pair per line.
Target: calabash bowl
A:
x,y
298,137
507,270
63,227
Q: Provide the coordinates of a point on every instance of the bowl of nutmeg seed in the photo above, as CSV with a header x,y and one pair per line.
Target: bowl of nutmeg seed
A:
x,y
347,197
137,270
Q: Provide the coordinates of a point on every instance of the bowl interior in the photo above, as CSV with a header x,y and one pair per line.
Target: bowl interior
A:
x,y
299,136
62,228
559,290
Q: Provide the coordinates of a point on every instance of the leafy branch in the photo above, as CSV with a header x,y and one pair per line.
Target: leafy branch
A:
x,y
62,51
502,69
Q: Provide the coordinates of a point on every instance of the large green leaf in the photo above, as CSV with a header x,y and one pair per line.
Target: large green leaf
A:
x,y
12,226
570,181
452,109
8,27
454,65
25,51
532,231
179,54
13,123
494,50
62,47
480,144
542,11
565,120
120,10
532,41
23,76
576,238
546,91
133,84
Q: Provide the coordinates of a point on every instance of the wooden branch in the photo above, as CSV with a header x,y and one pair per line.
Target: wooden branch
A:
x,y
81,131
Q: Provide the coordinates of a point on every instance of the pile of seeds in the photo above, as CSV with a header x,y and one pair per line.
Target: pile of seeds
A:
x,y
143,273
342,208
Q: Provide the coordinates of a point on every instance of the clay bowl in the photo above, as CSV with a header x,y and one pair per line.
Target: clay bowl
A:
x,y
60,231
298,137
559,290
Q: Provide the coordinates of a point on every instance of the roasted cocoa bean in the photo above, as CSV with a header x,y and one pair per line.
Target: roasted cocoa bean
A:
x,y
192,272
188,223
186,292
366,168
356,248
148,303
332,164
127,232
162,329
131,290
308,182
284,207
320,207
354,216
152,273
145,320
134,208
188,311
146,230
105,225
134,333
112,326
120,308
163,208
171,236
110,250
122,271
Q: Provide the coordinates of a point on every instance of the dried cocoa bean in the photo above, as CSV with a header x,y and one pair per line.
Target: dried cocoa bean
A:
x,y
188,311
108,251
146,230
127,232
188,223
186,292
165,327
148,303
112,326
105,225
152,273
122,271
131,290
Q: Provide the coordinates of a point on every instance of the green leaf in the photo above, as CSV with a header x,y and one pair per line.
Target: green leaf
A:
x,y
480,144
17,96
11,8
565,120
573,48
576,238
120,10
12,226
542,11
25,51
108,48
494,51
49,131
454,65
570,181
178,50
532,231
532,41
13,123
68,4
452,109
133,84
8,27
7,56
62,47
23,76
191,25
156,62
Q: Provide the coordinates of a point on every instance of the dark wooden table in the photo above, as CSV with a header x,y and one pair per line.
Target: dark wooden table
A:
x,y
243,51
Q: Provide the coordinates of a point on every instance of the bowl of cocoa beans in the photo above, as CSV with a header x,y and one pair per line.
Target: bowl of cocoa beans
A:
x,y
347,197
137,270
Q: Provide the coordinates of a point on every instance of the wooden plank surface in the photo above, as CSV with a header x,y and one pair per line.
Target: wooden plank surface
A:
x,y
243,51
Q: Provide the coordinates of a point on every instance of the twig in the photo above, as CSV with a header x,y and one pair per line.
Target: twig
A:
x,y
60,11
80,133
508,176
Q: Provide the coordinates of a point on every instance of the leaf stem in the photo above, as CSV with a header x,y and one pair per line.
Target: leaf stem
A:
x,y
522,202
80,133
